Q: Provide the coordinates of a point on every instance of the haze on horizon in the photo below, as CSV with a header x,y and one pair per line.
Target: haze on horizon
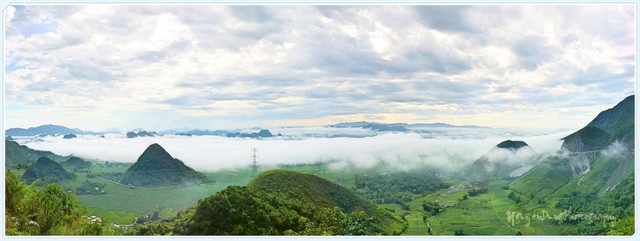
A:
x,y
96,67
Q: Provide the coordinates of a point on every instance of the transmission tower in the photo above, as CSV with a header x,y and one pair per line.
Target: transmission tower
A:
x,y
254,164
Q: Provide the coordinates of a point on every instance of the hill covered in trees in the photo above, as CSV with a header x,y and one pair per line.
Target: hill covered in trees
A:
x,y
47,171
615,124
16,153
282,203
156,167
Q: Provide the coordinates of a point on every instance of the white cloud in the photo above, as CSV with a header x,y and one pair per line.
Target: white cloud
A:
x,y
450,150
231,65
9,13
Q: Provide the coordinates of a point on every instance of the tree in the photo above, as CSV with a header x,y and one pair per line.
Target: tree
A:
x,y
432,208
54,206
357,223
46,211
622,227
14,191
514,197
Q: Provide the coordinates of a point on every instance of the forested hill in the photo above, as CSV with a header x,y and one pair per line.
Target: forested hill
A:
x,y
281,202
612,125
47,171
156,167
16,153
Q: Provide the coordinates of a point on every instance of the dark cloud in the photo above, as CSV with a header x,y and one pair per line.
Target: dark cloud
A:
x,y
158,55
256,14
441,63
446,18
533,51
87,72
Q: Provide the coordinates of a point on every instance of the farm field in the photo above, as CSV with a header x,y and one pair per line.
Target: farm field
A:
x,y
121,204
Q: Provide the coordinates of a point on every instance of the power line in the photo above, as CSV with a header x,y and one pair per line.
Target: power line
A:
x,y
254,164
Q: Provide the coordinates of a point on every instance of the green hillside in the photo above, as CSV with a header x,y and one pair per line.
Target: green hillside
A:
x,y
615,124
77,163
47,171
156,167
613,119
545,178
282,203
512,144
16,153
247,211
606,172
589,138
593,166
298,186
322,193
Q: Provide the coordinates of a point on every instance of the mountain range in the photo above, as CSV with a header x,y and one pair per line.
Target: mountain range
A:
x,y
593,160
397,126
43,130
612,125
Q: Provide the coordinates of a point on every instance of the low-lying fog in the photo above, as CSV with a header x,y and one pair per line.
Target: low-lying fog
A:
x,y
209,153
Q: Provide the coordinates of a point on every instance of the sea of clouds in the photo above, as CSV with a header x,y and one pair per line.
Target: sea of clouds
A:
x,y
402,151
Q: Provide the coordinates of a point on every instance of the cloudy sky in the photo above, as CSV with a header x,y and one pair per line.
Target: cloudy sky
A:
x,y
158,67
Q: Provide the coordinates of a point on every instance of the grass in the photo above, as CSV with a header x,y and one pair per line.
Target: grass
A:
x,y
484,214
121,204
545,178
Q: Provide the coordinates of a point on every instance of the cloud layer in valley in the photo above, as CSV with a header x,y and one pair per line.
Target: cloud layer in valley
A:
x,y
402,151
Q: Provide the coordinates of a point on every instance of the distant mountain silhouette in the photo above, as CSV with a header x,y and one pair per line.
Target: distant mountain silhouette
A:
x,y
261,134
42,130
132,134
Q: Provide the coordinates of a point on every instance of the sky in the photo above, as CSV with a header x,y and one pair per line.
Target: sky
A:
x,y
533,67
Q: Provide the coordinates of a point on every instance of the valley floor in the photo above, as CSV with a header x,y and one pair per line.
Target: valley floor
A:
x,y
482,214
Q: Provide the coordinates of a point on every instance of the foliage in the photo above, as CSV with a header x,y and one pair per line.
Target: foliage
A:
x,y
156,167
46,211
514,197
397,187
618,203
247,211
622,227
311,189
47,171
477,190
615,124
589,138
88,187
509,144
432,208
322,193
78,164
16,153
309,206
618,116
545,178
